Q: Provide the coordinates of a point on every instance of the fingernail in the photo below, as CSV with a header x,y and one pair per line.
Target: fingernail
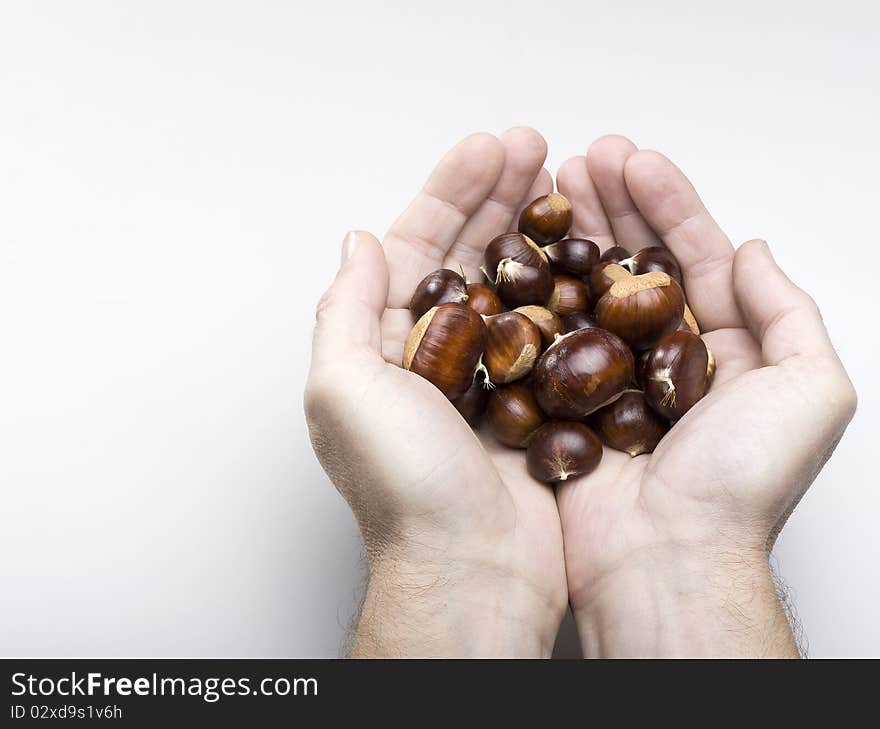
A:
x,y
349,245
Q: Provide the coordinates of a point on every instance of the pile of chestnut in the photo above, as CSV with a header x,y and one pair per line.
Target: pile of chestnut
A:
x,y
562,343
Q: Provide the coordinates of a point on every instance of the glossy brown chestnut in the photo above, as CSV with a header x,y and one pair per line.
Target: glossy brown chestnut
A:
x,y
641,361
513,414
445,347
575,255
513,345
472,404
641,309
615,254
561,449
710,369
603,277
569,295
521,285
577,320
654,258
438,287
548,323
514,247
629,424
581,372
547,219
483,300
689,322
676,374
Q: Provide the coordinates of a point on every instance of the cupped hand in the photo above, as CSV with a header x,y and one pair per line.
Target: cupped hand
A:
x,y
668,552
465,550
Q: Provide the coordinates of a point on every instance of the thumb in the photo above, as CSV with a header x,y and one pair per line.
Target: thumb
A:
x,y
349,312
781,316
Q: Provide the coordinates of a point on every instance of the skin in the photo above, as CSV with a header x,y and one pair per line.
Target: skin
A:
x,y
663,554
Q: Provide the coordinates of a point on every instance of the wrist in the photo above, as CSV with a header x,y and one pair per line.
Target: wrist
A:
x,y
421,602
686,601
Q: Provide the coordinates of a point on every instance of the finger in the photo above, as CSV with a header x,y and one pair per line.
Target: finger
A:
x,y
349,312
590,220
418,241
524,153
542,185
782,317
606,159
669,202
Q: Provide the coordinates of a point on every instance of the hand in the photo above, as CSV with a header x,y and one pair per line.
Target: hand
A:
x,y
667,554
465,550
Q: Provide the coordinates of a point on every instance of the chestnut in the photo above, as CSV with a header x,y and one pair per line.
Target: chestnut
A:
x,y
615,254
604,275
438,287
641,309
472,404
577,320
582,371
689,322
575,255
515,247
654,258
629,424
512,347
676,374
547,219
561,449
548,323
483,300
445,347
521,285
710,369
639,375
513,414
569,295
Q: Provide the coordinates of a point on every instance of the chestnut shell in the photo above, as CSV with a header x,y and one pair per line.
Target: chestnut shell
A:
x,y
546,219
445,347
438,287
512,346
575,255
548,323
615,254
522,285
561,449
578,320
569,295
582,371
472,404
515,246
603,276
483,300
676,374
513,414
654,258
629,424
641,309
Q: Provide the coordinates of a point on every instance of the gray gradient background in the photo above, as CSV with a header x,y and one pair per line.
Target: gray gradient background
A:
x,y
175,181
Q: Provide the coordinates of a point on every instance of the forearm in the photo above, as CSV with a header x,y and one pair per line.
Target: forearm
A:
x,y
687,605
423,610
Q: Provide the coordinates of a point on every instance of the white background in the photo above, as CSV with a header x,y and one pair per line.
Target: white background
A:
x,y
175,181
